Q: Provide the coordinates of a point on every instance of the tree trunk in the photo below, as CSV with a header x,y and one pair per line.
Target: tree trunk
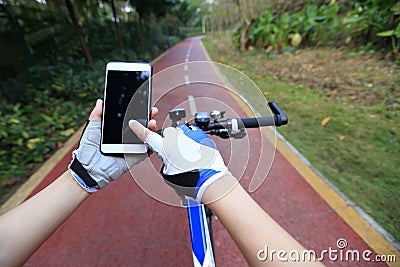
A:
x,y
247,24
19,38
78,31
141,33
117,32
245,35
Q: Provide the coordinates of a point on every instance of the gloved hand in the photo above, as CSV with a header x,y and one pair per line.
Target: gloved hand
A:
x,y
92,169
191,160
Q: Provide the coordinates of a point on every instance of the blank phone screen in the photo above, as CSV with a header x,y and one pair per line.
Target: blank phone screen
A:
x,y
127,96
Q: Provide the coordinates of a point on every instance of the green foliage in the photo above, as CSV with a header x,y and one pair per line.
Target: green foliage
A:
x,y
42,103
370,22
58,100
316,24
395,37
394,33
320,23
236,35
148,8
367,19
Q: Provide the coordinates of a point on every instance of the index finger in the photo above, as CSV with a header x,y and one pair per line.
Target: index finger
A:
x,y
142,132
151,139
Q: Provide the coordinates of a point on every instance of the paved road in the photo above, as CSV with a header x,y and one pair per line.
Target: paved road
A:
x,y
124,226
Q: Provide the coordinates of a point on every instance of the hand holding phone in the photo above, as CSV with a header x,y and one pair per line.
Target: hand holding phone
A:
x,y
94,170
127,95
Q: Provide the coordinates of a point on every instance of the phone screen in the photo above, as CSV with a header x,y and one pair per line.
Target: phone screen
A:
x,y
127,96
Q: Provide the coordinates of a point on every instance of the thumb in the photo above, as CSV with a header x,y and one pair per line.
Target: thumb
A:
x,y
97,111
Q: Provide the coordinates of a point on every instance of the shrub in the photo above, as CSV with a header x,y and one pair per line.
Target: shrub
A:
x,y
315,25
370,23
52,103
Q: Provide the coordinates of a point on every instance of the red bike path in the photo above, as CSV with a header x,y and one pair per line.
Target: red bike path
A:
x,y
124,226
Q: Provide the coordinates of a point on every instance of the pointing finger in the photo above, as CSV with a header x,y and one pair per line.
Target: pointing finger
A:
x,y
142,132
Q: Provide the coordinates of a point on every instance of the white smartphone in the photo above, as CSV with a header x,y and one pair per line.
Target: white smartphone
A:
x,y
127,95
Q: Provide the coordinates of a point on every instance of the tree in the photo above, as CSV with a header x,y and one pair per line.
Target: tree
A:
x,y
117,32
248,10
78,31
145,9
19,37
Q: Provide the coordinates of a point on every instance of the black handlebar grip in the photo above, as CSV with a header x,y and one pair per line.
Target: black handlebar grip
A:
x,y
242,123
280,116
256,122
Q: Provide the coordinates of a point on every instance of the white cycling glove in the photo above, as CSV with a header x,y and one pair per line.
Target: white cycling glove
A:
x,y
192,162
94,170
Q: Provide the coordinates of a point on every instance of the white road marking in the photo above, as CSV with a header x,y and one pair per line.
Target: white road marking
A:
x,y
188,52
192,105
186,79
185,68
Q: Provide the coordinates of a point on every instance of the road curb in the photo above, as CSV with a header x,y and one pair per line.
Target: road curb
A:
x,y
34,180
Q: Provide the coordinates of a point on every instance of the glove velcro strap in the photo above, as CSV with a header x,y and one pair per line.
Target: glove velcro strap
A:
x,y
77,167
184,183
82,183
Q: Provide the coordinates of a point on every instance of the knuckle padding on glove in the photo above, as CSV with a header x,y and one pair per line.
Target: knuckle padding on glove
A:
x,y
94,168
183,183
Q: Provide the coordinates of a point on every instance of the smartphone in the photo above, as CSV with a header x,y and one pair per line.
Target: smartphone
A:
x,y
127,95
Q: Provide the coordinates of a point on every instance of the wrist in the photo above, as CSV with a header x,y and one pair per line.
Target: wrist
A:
x,y
219,189
77,189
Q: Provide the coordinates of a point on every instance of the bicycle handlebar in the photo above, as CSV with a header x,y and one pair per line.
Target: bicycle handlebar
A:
x,y
242,123
278,119
232,127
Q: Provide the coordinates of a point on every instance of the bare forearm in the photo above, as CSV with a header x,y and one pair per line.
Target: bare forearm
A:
x,y
25,228
251,227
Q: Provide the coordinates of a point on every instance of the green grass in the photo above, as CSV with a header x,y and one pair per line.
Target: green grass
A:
x,y
364,165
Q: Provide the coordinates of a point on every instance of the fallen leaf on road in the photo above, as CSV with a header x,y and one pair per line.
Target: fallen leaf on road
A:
x,y
325,121
333,94
342,137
